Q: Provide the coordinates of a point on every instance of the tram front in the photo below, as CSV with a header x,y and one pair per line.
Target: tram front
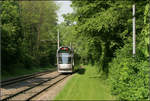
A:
x,y
65,60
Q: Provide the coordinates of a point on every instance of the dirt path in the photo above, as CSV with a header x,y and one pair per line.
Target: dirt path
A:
x,y
51,93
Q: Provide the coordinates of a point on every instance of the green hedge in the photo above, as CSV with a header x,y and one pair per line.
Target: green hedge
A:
x,y
129,76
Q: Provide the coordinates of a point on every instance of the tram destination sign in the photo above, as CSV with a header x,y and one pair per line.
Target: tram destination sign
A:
x,y
64,50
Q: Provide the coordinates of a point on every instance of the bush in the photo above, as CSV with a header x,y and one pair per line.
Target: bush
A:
x,y
129,75
30,61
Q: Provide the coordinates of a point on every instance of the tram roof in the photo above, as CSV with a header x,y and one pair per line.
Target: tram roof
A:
x,y
64,47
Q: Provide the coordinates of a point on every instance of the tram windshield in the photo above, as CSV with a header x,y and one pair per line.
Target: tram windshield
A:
x,y
64,58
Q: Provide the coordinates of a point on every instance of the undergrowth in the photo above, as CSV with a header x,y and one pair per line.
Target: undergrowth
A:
x,y
129,75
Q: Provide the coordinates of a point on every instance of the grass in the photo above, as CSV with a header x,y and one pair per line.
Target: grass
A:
x,y
23,71
86,85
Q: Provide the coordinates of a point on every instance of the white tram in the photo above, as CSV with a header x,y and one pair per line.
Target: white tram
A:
x,y
65,60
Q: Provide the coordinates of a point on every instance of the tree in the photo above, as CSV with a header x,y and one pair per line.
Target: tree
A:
x,y
28,33
103,33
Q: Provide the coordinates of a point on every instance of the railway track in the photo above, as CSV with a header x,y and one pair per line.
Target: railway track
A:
x,y
33,91
22,78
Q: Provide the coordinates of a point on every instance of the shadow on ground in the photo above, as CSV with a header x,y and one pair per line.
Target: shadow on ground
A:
x,y
81,71
26,83
34,81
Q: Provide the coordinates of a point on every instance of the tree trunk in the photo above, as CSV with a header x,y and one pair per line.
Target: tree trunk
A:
x,y
38,33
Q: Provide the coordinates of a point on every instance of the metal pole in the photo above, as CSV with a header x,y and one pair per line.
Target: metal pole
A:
x,y
58,39
70,45
134,35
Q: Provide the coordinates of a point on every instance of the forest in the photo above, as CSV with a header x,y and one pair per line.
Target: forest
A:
x,y
100,32
28,34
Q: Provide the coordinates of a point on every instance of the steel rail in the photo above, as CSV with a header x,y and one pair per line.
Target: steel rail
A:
x,y
22,78
30,98
20,92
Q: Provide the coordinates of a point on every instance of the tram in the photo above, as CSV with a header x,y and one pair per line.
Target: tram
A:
x,y
65,59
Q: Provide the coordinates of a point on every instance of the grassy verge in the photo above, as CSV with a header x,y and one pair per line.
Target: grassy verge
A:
x,y
86,85
23,71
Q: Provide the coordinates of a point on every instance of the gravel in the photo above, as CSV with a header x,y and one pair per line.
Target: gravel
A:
x,y
51,93
19,86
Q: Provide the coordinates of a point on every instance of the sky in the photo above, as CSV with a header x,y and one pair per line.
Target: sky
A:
x,y
64,9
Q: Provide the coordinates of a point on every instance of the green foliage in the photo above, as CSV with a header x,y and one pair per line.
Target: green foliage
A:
x,y
129,76
11,37
145,33
28,34
100,29
102,35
